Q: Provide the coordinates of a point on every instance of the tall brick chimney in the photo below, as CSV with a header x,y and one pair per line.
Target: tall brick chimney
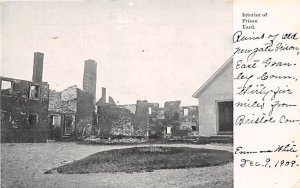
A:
x,y
103,95
37,75
90,77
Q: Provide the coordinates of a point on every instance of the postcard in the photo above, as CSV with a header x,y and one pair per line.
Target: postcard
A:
x,y
150,93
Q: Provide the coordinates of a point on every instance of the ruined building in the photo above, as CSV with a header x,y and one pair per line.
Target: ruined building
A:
x,y
113,120
145,119
188,119
180,121
30,112
71,111
124,120
102,101
24,106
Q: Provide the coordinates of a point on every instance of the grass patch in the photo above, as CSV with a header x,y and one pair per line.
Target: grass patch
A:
x,y
139,159
138,141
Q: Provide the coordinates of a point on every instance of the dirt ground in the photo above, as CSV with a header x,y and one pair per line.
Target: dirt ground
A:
x,y
23,165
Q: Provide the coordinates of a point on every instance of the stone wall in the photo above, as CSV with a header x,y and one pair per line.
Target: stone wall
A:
x,y
124,121
84,122
130,107
143,117
155,125
111,100
24,118
64,102
189,119
55,126
172,113
75,102
115,121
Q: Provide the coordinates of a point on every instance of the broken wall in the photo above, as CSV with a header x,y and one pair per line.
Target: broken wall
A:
x,y
62,106
111,101
141,119
73,102
115,121
55,126
155,124
189,119
172,113
127,120
85,114
130,107
24,116
64,102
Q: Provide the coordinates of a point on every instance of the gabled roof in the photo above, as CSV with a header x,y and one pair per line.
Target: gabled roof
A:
x,y
213,77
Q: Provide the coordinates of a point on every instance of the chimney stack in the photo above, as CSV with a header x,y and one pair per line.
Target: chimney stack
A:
x,y
37,75
103,95
90,77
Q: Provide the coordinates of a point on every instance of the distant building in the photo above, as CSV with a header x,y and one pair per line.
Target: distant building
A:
x,y
180,121
189,120
215,98
24,106
113,120
172,121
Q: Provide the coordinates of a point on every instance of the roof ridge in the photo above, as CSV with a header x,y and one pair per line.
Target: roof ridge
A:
x,y
212,77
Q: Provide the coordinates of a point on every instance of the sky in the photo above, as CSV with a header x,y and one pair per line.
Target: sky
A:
x,y
155,50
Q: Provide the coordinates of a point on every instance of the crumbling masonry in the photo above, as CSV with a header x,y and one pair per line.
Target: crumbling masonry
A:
x,y
71,111
24,106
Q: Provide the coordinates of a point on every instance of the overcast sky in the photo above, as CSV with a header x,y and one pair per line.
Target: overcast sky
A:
x,y
151,50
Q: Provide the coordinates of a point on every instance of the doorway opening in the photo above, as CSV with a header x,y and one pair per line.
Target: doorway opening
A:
x,y
225,117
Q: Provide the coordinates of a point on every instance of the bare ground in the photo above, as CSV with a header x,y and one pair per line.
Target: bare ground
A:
x,y
23,165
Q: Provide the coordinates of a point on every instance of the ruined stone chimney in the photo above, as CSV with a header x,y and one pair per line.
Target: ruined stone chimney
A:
x,y
103,95
90,77
37,75
111,100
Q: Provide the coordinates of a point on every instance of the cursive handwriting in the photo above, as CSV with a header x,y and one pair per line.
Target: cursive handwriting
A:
x,y
269,161
270,63
263,90
239,37
282,148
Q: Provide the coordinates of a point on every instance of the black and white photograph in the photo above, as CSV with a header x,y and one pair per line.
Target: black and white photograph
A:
x,y
117,93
